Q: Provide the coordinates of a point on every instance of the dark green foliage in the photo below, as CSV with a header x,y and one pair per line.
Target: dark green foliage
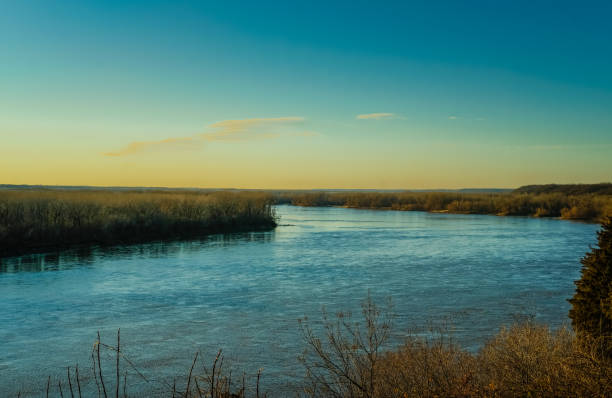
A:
x,y
591,311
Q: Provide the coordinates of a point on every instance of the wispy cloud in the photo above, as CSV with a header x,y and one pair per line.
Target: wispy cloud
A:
x,y
452,117
376,116
226,130
245,129
138,146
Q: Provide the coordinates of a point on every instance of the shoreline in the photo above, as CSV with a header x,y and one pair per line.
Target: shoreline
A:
x,y
53,249
580,220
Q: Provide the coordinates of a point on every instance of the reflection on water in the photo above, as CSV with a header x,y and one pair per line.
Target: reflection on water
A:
x,y
87,255
245,292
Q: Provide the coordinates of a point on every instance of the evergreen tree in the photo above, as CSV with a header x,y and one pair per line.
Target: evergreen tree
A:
x,y
591,311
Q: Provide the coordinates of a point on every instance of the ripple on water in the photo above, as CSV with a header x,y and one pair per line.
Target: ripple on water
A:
x,y
245,292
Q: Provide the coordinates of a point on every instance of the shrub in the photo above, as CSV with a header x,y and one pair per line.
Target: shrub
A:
x,y
591,311
526,359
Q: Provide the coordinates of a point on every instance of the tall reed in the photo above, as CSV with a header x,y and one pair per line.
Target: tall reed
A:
x,y
31,220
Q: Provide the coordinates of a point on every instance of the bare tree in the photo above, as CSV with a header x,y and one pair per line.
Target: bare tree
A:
x,y
343,363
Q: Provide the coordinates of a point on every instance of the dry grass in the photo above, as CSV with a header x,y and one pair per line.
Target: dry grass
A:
x,y
591,206
525,359
31,220
531,360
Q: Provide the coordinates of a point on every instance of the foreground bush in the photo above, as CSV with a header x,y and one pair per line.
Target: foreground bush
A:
x,y
527,359
530,360
31,220
591,311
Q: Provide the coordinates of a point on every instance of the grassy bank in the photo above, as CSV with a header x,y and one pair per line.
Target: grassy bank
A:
x,y
567,202
33,220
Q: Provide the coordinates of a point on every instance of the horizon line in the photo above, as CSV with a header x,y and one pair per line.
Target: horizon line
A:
x,y
128,187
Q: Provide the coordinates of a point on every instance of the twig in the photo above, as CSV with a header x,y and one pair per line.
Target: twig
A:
x,y
125,385
93,360
100,368
69,382
118,377
257,387
190,372
78,381
212,379
195,379
59,383
229,384
126,359
219,380
48,383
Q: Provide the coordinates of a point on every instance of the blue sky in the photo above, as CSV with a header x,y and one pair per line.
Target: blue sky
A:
x,y
268,94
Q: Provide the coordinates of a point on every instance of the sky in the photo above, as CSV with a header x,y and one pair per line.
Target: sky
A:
x,y
305,94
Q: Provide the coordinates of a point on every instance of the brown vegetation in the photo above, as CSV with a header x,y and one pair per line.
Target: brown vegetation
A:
x,y
525,359
39,219
95,381
584,206
568,189
354,359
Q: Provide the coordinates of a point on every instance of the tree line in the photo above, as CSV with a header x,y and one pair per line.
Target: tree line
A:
x,y
564,203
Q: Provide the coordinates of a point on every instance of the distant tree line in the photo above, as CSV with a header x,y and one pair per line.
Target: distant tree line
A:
x,y
568,189
536,202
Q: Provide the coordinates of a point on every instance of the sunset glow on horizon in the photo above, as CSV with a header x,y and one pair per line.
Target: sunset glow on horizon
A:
x,y
277,95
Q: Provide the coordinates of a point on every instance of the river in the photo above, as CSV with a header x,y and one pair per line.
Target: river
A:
x,y
245,292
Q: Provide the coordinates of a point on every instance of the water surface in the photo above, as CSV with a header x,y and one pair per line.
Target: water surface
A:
x,y
245,292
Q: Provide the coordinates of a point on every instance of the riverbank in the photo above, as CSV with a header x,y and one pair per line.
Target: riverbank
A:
x,y
566,203
38,220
